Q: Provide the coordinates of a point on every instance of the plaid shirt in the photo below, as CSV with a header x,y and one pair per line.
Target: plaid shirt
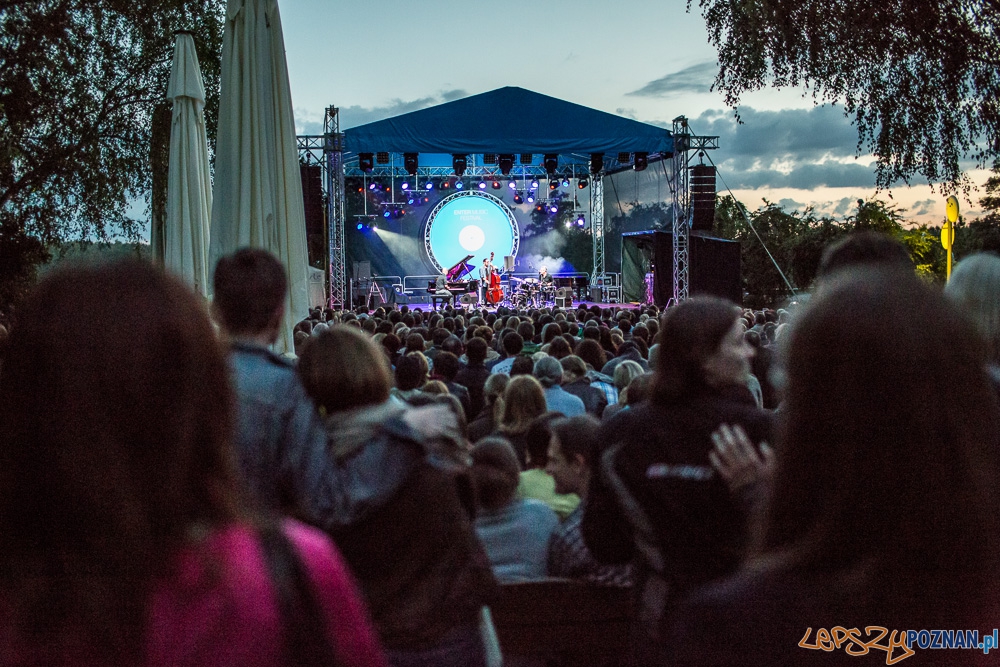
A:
x,y
569,557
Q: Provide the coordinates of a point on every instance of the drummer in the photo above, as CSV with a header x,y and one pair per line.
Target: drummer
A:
x,y
544,277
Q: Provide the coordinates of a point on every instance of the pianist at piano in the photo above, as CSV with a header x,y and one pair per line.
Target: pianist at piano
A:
x,y
441,289
453,286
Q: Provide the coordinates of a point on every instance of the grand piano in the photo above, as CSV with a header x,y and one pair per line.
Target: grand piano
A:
x,y
454,276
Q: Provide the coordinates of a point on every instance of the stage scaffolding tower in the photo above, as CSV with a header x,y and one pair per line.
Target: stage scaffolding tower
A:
x,y
597,226
333,154
685,143
327,152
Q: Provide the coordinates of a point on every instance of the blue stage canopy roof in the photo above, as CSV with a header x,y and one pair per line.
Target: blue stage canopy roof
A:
x,y
508,120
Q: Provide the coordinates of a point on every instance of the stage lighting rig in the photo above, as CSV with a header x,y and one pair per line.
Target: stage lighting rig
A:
x,y
553,183
429,185
531,197
506,162
518,198
410,163
581,221
382,157
374,185
582,182
624,157
366,162
534,184
596,163
641,161
482,184
551,163
512,184
404,186
495,184
459,164
459,184
565,182
526,158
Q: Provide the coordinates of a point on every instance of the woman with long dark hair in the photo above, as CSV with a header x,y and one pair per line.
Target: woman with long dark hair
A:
x,y
883,505
656,499
123,536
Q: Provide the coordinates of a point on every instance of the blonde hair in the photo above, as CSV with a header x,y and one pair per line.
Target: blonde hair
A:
x,y
523,400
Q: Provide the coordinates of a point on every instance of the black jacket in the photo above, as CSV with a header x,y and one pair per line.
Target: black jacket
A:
x,y
660,455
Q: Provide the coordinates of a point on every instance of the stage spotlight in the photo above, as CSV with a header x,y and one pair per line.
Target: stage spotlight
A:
x,y
373,185
553,208
405,186
534,184
410,163
512,184
388,188
553,183
624,157
361,188
366,161
569,224
596,162
641,161
506,162
410,201
580,220
495,184
459,184
386,213
539,208
429,185
518,199
459,163
482,184
398,213
531,197
551,163
360,226
565,182
582,182
445,184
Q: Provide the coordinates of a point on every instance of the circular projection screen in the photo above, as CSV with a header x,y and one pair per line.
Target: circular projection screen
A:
x,y
470,223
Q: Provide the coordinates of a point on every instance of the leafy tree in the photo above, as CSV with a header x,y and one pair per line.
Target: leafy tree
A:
x,y
79,80
920,78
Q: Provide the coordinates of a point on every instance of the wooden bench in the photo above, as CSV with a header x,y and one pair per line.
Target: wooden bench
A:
x,y
563,623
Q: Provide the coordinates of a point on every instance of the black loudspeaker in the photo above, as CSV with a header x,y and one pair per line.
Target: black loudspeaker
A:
x,y
564,302
596,294
702,197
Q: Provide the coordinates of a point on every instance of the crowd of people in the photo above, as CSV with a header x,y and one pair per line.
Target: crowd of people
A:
x,y
172,492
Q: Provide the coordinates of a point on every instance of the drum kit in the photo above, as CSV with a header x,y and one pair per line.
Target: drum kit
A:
x,y
530,293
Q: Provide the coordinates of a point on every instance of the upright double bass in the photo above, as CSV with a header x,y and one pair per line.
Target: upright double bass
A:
x,y
494,293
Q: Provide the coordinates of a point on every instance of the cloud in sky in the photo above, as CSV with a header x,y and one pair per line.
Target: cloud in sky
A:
x,y
694,79
791,148
353,116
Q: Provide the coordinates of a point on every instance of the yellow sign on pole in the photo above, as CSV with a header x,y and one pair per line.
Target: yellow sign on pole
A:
x,y
948,231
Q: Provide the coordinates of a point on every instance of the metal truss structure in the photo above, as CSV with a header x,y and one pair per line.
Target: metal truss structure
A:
x,y
597,225
685,144
327,151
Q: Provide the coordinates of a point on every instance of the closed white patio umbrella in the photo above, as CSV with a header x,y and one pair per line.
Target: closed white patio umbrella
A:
x,y
258,194
189,183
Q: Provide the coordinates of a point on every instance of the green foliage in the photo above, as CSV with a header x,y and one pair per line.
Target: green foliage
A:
x,y
20,256
920,78
79,80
